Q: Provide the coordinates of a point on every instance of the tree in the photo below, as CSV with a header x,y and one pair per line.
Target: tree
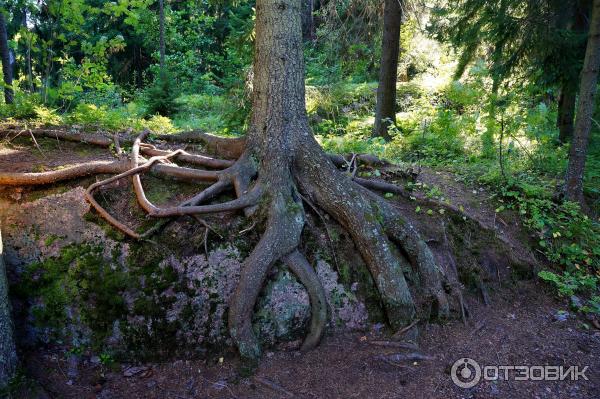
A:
x,y
542,40
6,65
308,23
585,110
161,19
575,21
385,111
279,167
8,355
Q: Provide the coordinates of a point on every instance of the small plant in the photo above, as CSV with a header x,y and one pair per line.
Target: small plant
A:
x,y
161,96
106,359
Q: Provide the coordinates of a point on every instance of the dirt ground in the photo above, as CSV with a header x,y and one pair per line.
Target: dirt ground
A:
x,y
521,326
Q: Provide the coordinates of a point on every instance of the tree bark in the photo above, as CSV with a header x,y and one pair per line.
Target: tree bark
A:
x,y
583,122
385,111
8,354
6,66
575,19
161,19
566,114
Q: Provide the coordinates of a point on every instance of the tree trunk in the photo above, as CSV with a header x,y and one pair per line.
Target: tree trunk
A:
x,y
161,19
308,24
566,114
583,122
8,355
385,111
6,66
289,166
575,19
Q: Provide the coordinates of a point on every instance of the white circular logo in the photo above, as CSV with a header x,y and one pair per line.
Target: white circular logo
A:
x,y
465,373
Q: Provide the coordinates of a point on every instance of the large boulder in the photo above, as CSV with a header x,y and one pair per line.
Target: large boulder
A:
x,y
78,284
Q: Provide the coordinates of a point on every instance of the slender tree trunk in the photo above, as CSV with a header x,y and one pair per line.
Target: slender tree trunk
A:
x,y
575,19
161,18
8,355
308,24
583,122
385,111
6,67
566,114
29,39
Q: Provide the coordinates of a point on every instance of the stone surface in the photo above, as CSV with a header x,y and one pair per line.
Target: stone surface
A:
x,y
178,304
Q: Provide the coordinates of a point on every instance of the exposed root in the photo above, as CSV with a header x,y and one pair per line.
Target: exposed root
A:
x,y
349,205
89,193
307,276
227,147
389,244
193,159
281,237
382,186
68,173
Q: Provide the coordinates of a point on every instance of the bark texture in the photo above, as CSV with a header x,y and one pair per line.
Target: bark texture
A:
x,y
385,111
308,22
566,114
5,56
8,354
583,122
161,21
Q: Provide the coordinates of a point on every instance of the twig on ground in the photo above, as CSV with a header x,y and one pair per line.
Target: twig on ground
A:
x,y
275,387
395,344
401,332
36,143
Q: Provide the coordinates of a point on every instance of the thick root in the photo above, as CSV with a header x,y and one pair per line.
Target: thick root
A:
x,y
68,173
281,237
307,276
347,203
231,148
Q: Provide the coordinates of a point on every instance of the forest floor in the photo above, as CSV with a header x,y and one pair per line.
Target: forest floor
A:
x,y
519,328
523,325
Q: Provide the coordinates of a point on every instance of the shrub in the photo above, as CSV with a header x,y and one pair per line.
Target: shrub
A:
x,y
161,96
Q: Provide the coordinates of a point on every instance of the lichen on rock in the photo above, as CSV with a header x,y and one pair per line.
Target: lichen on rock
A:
x,y
76,285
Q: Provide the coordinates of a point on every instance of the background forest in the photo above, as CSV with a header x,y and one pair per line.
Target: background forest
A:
x,y
486,90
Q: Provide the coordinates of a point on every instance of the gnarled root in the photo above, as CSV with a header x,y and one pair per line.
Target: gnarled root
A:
x,y
390,246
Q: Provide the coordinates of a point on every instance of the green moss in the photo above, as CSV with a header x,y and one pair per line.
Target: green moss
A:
x,y
77,277
50,239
